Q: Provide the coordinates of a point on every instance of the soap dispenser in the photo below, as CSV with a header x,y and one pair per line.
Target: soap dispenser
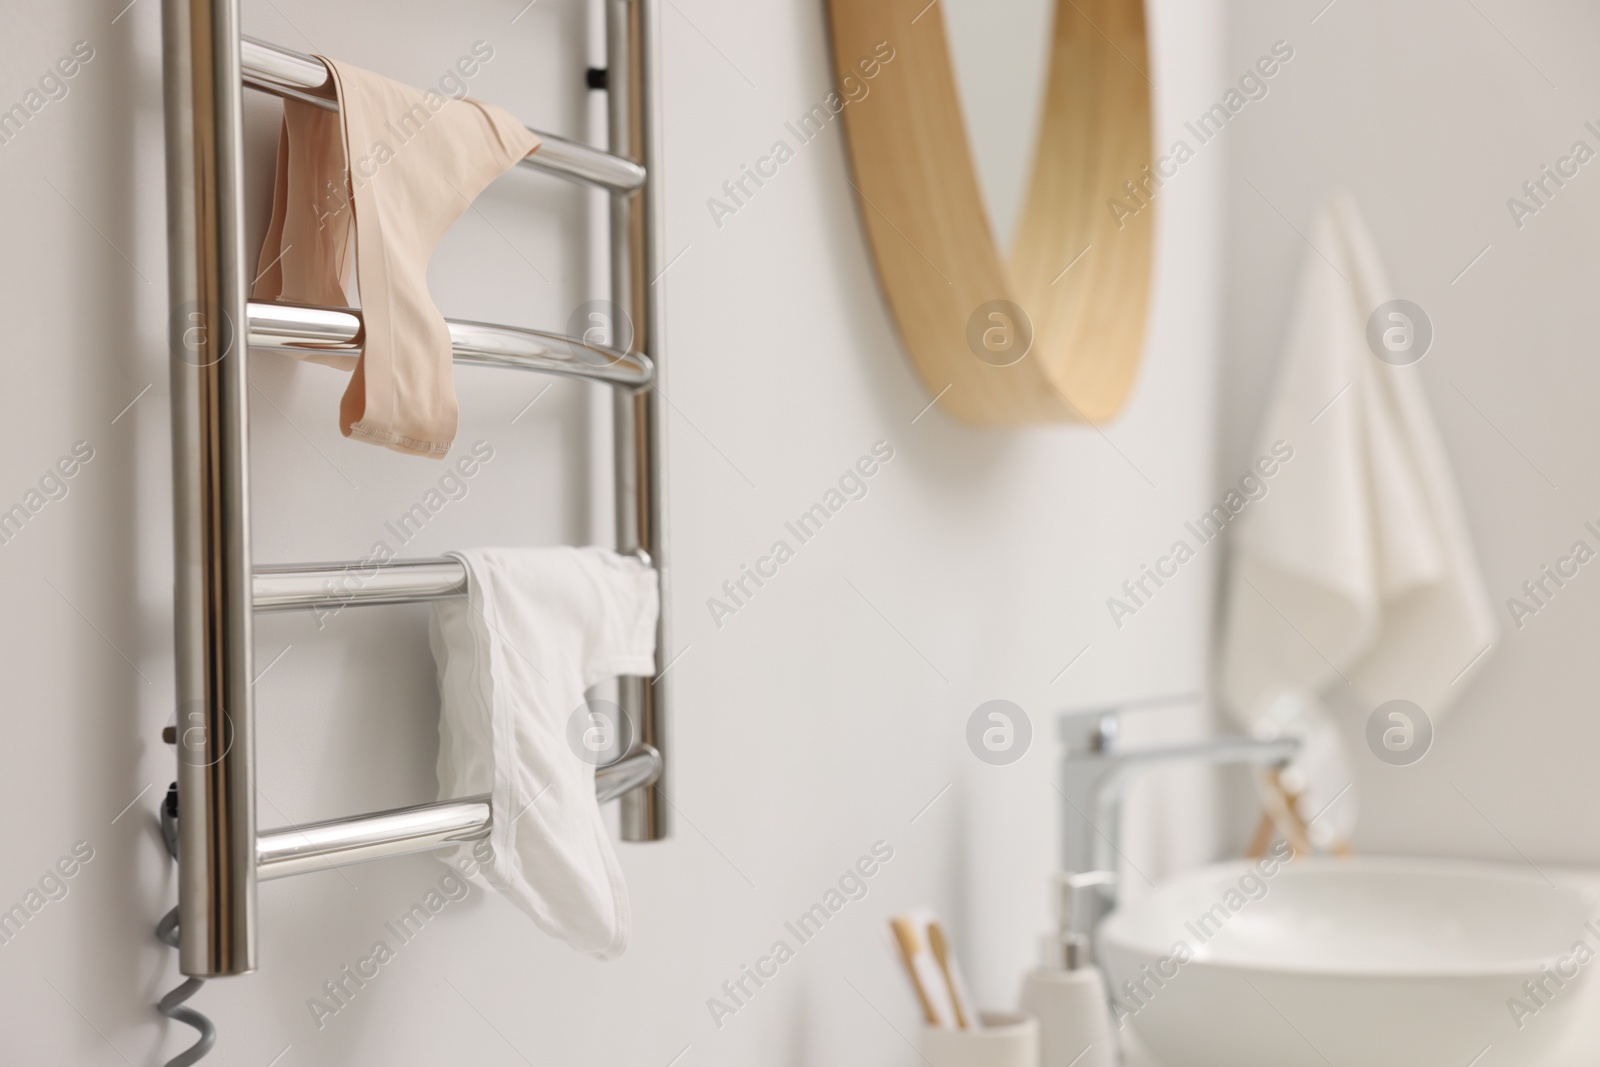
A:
x,y
1066,993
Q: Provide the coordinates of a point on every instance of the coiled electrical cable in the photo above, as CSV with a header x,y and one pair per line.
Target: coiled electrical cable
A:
x,y
172,1005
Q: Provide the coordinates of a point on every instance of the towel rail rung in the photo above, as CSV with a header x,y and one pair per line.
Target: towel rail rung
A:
x,y
285,72
420,828
336,331
330,586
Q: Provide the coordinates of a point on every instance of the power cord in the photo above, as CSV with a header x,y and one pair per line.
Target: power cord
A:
x,y
172,1005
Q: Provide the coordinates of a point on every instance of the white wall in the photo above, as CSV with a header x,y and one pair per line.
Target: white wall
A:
x,y
1432,115
824,716
1157,456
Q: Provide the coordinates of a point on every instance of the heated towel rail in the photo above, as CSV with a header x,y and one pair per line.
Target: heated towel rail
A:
x,y
214,325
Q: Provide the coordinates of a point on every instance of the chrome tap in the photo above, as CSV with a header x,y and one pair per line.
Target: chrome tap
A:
x,y
1095,773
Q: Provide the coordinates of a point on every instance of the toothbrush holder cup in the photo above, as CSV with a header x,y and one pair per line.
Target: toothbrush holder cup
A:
x,y
1008,1039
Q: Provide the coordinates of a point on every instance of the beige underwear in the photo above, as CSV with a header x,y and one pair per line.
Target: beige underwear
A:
x,y
415,161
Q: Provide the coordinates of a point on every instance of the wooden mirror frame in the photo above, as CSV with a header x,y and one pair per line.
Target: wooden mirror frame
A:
x,y
1080,268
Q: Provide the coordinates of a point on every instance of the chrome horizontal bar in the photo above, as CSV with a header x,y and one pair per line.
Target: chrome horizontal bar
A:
x,y
285,72
330,586
286,587
637,769
421,828
300,329
579,162
338,842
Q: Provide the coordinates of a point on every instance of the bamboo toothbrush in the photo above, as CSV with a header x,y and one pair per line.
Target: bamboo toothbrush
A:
x,y
966,1018
1279,810
923,970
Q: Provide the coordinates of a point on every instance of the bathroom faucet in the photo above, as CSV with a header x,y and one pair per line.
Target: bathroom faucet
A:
x,y
1095,773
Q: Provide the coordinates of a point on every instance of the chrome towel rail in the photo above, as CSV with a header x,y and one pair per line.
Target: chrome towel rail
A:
x,y
212,638
207,63
285,72
296,327
633,106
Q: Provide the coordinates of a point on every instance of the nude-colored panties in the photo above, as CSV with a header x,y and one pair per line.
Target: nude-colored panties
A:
x,y
416,160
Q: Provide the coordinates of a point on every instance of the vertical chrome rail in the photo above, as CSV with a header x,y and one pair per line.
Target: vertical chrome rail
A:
x,y
211,493
633,100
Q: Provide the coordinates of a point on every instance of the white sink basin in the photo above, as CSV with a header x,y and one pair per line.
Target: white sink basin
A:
x,y
1365,962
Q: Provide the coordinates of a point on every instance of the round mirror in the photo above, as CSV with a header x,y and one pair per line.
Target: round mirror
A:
x,y
988,165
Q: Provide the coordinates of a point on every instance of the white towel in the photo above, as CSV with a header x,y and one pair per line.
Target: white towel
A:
x,y
1359,565
538,627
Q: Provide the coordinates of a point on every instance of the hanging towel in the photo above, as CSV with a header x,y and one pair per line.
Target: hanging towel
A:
x,y
1358,566
398,165
537,628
